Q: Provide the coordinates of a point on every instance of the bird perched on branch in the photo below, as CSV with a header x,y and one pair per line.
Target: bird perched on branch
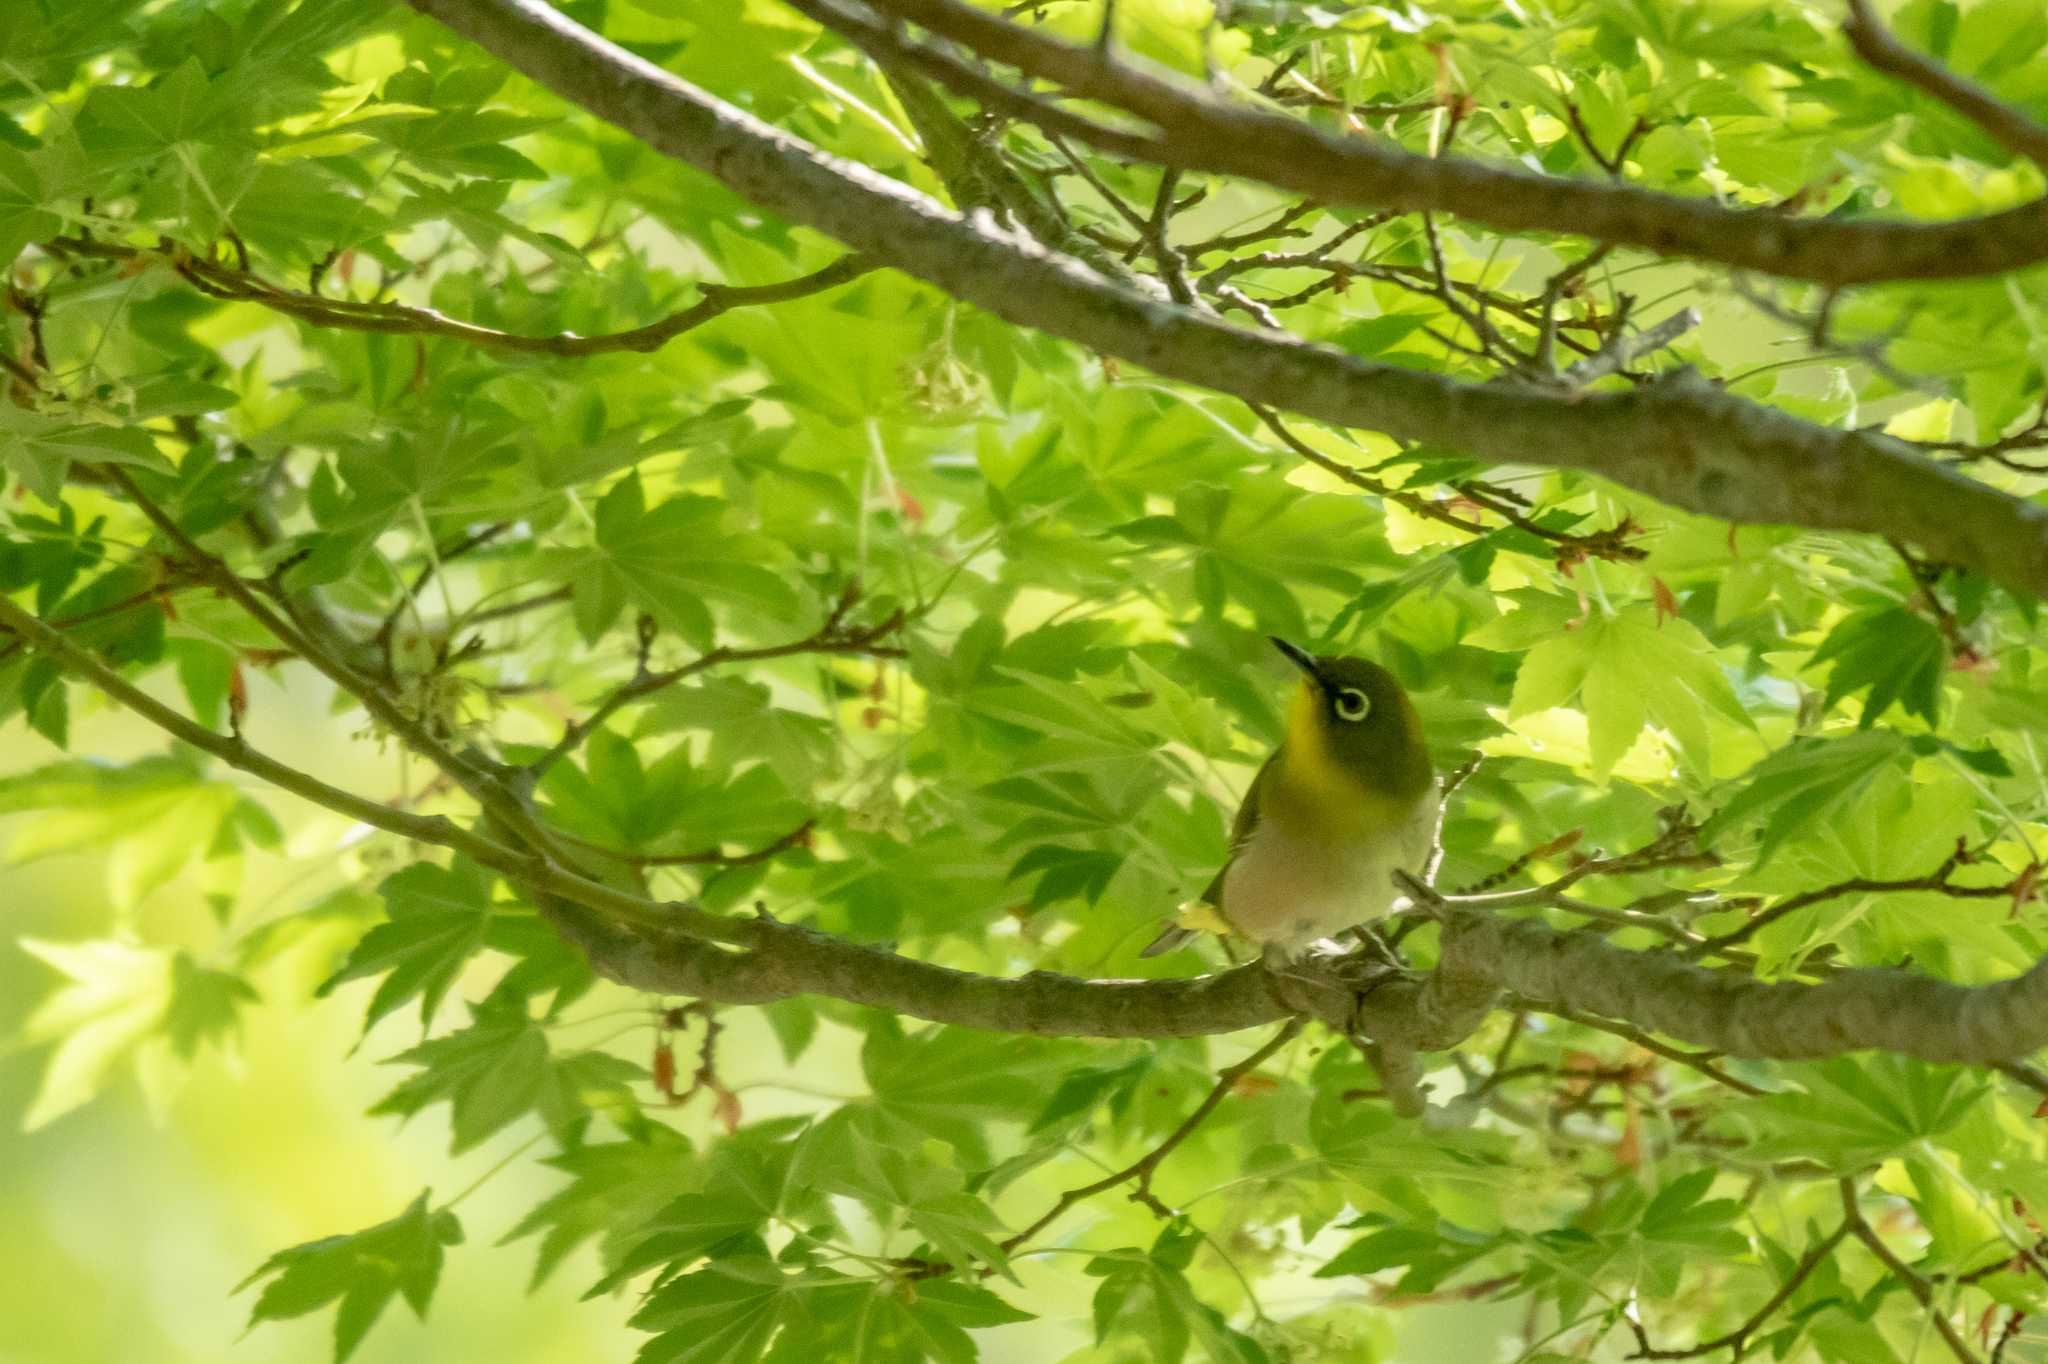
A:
x,y
1346,800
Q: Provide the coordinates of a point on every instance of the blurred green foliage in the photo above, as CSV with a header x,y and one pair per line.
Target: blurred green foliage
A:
x,y
1078,564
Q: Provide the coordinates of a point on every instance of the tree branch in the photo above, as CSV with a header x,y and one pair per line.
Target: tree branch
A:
x,y
1678,439
1739,1338
833,637
1198,131
1937,882
1625,347
671,948
705,857
480,781
1142,1168
1737,1014
1922,1291
1881,51
240,285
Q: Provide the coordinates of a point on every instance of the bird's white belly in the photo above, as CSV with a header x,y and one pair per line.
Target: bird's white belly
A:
x,y
1290,891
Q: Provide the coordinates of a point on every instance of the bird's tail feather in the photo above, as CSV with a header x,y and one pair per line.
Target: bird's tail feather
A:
x,y
1171,937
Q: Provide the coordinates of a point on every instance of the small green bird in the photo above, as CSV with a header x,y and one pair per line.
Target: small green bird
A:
x,y
1345,801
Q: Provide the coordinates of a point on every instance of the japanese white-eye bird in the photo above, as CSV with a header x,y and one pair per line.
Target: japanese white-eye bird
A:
x,y
1345,801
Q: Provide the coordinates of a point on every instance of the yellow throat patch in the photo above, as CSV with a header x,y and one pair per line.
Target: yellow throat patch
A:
x,y
1315,786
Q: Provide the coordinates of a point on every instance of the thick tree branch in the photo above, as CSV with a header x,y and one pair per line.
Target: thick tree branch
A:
x,y
1195,130
671,948
1742,1016
790,960
1681,439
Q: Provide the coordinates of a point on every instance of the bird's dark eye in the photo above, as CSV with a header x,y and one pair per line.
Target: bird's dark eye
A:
x,y
1352,704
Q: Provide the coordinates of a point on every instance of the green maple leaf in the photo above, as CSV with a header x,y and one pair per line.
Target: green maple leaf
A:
x,y
363,1270
1855,1111
850,1153
1627,670
130,120
950,1082
40,449
747,1181
730,1310
1897,654
744,723
1806,781
883,1323
206,1005
23,215
1146,1294
114,997
613,1186
501,1068
440,917
667,560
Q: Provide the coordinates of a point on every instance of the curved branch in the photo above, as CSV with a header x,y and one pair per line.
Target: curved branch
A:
x,y
674,949
670,948
784,960
1680,440
1197,131
1882,52
240,285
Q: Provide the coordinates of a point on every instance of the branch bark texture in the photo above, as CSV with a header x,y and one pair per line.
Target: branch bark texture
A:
x,y
1855,1010
1680,440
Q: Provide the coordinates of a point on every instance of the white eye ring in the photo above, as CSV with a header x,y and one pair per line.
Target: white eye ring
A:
x,y
1352,704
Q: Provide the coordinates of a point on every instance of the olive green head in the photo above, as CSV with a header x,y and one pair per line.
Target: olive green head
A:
x,y
1353,717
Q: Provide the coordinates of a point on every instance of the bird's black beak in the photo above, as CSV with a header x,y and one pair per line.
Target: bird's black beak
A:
x,y
1299,657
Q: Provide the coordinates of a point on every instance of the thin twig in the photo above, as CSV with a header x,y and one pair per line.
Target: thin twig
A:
x,y
408,599
2025,1074
1739,1338
1699,1061
833,637
1922,1291
520,607
2032,436
1937,881
236,284
705,857
1613,162
1459,775
1624,348
1876,46
1142,1169
1544,358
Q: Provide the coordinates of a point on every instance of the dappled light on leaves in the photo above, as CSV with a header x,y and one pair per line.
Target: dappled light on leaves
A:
x,y
697,578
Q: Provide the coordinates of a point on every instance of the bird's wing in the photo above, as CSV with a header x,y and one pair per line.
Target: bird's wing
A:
x,y
1241,830
1205,912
